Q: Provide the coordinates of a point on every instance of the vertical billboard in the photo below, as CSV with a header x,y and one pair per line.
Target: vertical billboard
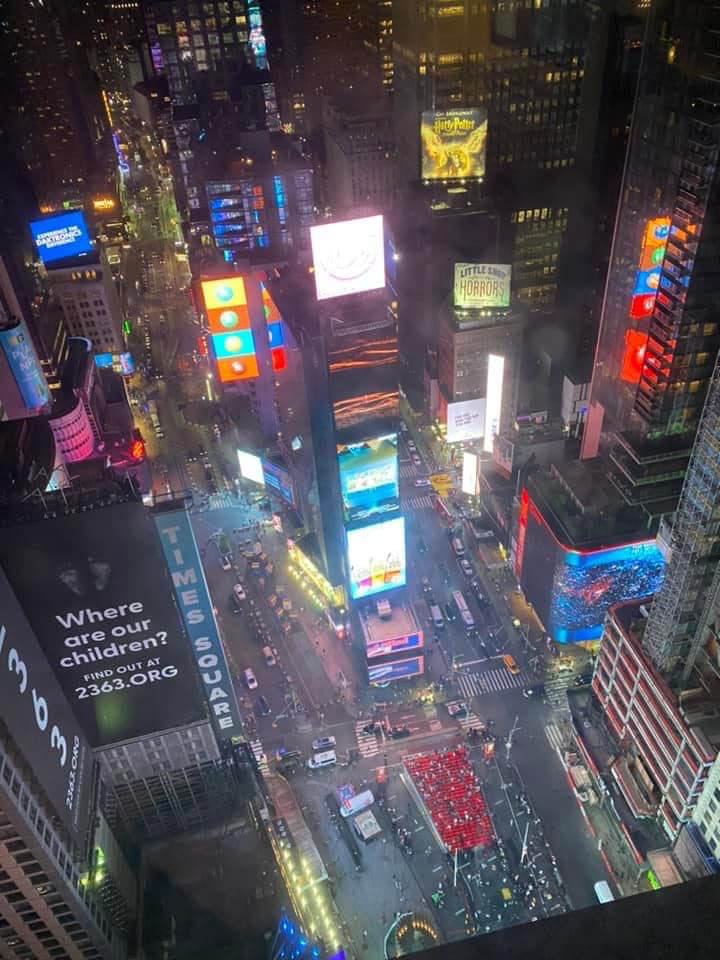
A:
x,y
229,324
17,345
647,279
251,467
465,420
369,477
193,600
348,257
60,236
276,335
279,481
482,285
39,718
470,473
376,557
453,144
493,399
96,591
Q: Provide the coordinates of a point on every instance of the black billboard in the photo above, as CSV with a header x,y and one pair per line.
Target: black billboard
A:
x,y
96,590
39,719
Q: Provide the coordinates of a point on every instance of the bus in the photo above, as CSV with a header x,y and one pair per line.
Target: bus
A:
x,y
462,609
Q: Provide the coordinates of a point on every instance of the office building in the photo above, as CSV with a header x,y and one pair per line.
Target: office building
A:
x,y
479,356
669,742
89,301
359,151
376,34
706,817
658,338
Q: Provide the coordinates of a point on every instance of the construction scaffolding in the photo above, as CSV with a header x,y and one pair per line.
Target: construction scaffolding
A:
x,y
675,628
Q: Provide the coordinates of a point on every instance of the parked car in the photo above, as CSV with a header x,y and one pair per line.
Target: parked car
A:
x,y
250,679
323,743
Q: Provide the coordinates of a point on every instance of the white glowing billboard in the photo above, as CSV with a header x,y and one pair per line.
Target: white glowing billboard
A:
x,y
479,285
470,473
251,467
376,557
465,420
493,401
348,257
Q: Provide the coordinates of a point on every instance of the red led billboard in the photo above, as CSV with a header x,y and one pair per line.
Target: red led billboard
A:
x,y
633,356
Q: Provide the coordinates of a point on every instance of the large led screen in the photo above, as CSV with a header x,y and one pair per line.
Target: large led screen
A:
x,y
384,673
470,473
39,718
16,343
572,590
376,557
229,324
251,467
369,477
96,591
348,257
394,645
453,144
465,420
482,285
493,399
60,236
279,481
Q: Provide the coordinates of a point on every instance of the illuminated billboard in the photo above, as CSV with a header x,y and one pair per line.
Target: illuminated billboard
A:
x,y
369,477
376,557
279,481
251,467
60,236
469,473
482,285
17,345
348,257
39,719
229,324
493,399
571,589
122,363
107,623
453,144
276,335
397,670
394,645
465,420
633,356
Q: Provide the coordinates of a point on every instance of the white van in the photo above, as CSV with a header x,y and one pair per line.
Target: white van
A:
x,y
603,891
437,617
269,657
458,547
250,679
327,759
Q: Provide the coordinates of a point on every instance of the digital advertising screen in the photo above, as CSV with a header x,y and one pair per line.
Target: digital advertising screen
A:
x,y
383,673
348,257
482,285
107,622
369,477
193,600
376,557
39,718
279,481
60,236
16,343
384,648
229,324
572,590
465,420
251,467
470,473
453,144
493,399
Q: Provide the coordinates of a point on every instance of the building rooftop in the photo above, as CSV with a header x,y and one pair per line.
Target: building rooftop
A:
x,y
403,621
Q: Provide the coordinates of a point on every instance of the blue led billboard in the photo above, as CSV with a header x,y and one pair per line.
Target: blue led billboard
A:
x,y
572,590
279,481
25,366
369,477
60,236
397,670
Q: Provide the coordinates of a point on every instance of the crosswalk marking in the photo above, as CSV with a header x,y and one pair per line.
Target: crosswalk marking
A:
x,y
407,471
552,732
470,721
257,749
418,503
490,681
367,742
220,501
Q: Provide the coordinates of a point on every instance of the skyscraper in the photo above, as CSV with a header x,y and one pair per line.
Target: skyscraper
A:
x,y
658,335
